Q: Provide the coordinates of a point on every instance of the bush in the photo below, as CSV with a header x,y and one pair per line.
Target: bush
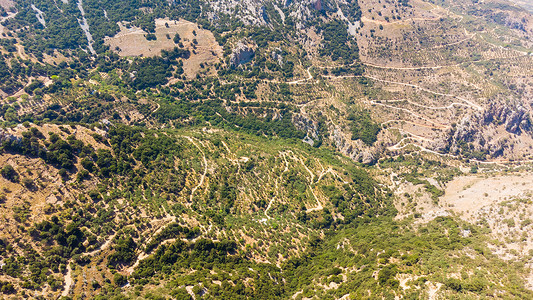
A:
x,y
27,182
119,279
9,173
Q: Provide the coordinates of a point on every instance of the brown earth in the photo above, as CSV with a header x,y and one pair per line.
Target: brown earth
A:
x,y
132,42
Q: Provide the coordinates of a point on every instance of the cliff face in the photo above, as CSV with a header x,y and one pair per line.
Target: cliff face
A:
x,y
495,131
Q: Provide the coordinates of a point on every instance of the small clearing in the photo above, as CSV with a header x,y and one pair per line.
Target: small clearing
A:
x,y
205,50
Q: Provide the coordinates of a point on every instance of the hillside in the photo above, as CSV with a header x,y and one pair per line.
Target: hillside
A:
x,y
326,149
282,208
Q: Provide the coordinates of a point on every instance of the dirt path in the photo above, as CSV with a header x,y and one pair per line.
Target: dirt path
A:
x,y
268,207
412,123
68,281
450,106
403,68
438,125
469,37
364,19
471,104
234,159
202,178
142,255
104,246
424,149
299,81
433,289
171,219
68,277
319,204
309,77
10,15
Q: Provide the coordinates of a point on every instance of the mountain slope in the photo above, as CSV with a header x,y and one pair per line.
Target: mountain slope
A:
x,y
263,149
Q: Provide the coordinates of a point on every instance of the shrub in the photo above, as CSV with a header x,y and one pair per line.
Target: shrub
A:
x,y
9,173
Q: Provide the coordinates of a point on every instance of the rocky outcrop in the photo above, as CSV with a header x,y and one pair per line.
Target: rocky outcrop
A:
x,y
516,118
355,149
6,137
309,126
485,131
241,54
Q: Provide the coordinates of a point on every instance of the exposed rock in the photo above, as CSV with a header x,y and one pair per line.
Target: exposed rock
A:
x,y
309,126
5,136
242,53
277,57
367,157
483,131
515,118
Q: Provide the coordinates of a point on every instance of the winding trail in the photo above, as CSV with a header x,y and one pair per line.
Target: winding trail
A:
x,y
170,218
10,15
424,149
428,107
234,159
404,68
471,104
309,77
68,277
104,246
268,207
412,123
438,125
319,204
469,37
202,178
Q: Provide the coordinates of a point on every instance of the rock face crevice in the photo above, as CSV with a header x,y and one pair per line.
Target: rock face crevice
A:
x,y
309,126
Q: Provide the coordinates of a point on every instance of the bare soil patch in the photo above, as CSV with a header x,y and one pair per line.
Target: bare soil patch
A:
x,y
205,51
468,195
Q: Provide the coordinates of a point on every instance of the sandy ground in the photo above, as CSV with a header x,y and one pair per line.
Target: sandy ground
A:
x,y
469,194
132,42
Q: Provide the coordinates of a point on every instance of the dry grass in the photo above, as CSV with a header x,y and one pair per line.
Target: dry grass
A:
x,y
132,42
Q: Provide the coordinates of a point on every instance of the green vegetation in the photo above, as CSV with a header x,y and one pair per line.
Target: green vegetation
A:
x,y
363,127
164,176
9,173
338,43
